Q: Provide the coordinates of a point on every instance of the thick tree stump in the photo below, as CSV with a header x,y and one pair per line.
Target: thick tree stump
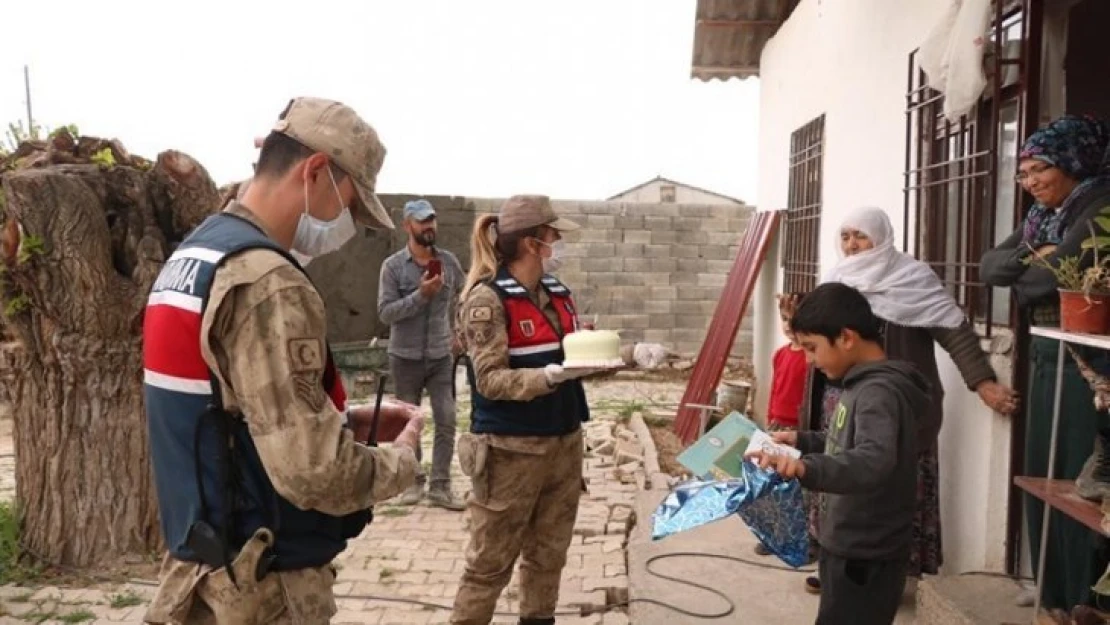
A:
x,y
86,230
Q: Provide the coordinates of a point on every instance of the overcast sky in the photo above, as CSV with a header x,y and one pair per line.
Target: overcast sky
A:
x,y
578,99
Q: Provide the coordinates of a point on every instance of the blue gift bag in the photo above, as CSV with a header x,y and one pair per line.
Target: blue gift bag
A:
x,y
771,506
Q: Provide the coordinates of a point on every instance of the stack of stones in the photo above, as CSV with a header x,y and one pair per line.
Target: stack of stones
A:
x,y
614,473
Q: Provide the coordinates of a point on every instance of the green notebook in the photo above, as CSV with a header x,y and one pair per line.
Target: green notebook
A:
x,y
719,454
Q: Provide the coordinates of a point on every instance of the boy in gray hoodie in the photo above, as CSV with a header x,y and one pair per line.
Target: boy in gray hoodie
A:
x,y
867,461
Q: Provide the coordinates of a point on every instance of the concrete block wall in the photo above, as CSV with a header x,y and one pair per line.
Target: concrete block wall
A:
x,y
652,271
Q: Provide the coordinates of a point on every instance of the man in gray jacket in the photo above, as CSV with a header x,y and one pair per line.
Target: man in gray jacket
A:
x,y
418,289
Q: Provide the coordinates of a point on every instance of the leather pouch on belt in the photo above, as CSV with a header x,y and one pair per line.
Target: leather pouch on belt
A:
x,y
255,601
506,449
176,591
472,453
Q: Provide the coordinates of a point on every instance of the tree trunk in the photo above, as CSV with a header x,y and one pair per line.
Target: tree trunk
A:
x,y
86,229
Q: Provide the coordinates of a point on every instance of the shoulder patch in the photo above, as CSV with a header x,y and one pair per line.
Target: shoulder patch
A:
x,y
306,355
481,313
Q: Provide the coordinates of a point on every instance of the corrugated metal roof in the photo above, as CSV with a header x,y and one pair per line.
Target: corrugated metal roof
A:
x,y
729,35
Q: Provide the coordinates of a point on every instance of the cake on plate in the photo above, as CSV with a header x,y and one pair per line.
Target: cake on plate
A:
x,y
596,349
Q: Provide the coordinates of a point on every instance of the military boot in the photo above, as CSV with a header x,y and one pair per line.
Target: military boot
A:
x,y
538,621
1094,480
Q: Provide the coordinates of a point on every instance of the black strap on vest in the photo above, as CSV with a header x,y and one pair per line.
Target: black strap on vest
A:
x,y
463,358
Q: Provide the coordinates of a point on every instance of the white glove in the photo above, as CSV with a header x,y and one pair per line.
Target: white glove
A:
x,y
556,374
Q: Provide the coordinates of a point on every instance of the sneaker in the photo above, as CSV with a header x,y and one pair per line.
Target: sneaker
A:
x,y
813,585
412,495
760,550
445,499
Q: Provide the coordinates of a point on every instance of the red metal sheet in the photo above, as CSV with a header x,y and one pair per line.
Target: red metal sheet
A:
x,y
726,321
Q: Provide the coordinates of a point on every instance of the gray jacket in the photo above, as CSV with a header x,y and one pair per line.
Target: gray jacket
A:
x,y
1003,265
867,461
420,328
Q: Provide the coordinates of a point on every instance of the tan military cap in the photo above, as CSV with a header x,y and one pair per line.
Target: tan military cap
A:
x,y
336,130
522,212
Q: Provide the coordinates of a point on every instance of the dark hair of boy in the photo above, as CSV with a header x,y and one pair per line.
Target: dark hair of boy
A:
x,y
832,308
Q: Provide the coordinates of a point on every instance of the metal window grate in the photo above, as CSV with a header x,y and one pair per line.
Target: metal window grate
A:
x,y
801,239
957,202
948,197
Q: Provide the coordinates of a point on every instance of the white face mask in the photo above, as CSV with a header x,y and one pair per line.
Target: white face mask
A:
x,y
552,263
316,237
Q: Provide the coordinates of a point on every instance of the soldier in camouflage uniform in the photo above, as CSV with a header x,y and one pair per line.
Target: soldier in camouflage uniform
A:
x,y
234,322
524,451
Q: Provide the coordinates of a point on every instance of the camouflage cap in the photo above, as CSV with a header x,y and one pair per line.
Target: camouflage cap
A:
x,y
522,212
336,130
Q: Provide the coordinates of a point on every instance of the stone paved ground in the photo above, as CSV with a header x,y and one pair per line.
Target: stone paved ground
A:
x,y
417,552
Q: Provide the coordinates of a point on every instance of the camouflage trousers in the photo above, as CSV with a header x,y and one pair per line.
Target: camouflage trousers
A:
x,y
194,594
523,504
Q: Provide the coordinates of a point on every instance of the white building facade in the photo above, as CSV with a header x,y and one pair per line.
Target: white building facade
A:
x,y
845,122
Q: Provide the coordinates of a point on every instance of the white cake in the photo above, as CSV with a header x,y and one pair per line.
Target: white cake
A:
x,y
593,349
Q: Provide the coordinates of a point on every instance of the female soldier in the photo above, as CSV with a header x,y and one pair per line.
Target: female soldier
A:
x,y
524,449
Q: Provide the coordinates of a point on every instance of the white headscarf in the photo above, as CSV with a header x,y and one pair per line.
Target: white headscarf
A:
x,y
900,288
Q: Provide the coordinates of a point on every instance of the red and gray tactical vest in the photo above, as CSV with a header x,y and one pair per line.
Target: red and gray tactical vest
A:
x,y
206,466
533,343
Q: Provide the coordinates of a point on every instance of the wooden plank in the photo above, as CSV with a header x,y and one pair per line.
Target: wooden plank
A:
x,y
1060,494
726,321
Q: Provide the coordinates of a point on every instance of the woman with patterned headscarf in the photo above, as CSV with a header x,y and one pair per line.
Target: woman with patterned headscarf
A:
x,y
1065,166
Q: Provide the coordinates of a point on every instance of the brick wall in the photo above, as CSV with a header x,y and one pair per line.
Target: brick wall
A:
x,y
653,271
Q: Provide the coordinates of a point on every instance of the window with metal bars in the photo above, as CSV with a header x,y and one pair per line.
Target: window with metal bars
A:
x,y
802,227
960,196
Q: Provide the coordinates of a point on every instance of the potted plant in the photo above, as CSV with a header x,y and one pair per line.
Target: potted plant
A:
x,y
1084,292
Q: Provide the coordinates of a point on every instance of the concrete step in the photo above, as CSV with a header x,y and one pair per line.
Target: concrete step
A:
x,y
970,600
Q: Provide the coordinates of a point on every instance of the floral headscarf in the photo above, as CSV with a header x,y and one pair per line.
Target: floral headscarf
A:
x,y
1080,147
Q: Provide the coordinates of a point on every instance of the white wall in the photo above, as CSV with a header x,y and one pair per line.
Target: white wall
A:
x,y
650,194
848,61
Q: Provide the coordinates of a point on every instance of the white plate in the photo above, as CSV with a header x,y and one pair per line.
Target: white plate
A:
x,y
594,364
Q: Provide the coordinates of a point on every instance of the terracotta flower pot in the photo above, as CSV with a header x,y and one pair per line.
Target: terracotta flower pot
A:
x,y
1087,314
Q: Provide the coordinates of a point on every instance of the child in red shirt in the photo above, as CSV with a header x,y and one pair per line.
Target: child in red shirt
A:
x,y
788,377
788,380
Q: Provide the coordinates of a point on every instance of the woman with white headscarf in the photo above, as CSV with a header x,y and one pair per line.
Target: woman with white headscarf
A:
x,y
917,313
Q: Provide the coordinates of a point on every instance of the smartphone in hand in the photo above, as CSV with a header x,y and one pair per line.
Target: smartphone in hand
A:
x,y
435,267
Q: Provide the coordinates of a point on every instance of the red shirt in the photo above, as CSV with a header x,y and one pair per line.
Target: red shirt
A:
x,y
788,381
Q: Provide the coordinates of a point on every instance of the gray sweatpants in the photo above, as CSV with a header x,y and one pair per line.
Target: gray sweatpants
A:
x,y
860,592
410,379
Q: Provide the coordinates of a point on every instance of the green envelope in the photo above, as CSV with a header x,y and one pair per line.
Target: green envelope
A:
x,y
719,453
